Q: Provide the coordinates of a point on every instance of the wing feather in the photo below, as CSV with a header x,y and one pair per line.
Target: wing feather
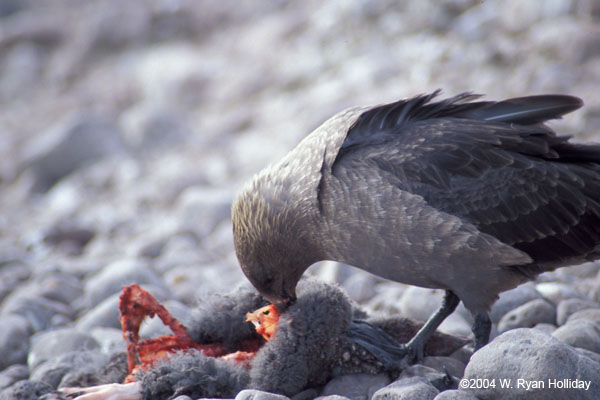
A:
x,y
494,164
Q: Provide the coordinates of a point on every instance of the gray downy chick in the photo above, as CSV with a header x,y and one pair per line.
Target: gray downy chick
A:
x,y
473,197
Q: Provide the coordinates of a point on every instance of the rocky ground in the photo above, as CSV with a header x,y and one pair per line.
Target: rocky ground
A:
x,y
127,128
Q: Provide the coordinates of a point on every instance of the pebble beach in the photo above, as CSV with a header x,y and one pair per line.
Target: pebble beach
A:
x,y
128,128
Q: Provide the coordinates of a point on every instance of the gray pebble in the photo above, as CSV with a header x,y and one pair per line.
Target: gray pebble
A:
x,y
69,237
512,299
190,282
407,388
12,374
455,324
114,276
71,144
12,272
332,397
252,394
590,354
355,386
200,209
575,272
74,368
419,303
557,291
307,394
360,287
528,315
440,380
446,365
570,306
41,313
52,344
332,271
386,297
110,339
26,390
59,286
580,333
104,314
590,314
455,395
463,354
533,356
14,340
546,328
161,128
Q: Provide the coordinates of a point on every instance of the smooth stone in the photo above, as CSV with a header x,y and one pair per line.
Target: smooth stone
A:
x,y
189,283
386,298
12,374
448,365
51,344
332,397
331,271
110,339
70,237
455,395
420,303
159,129
546,328
41,313
26,390
252,394
576,272
568,307
59,286
512,299
104,314
360,287
73,368
307,394
200,209
455,324
463,355
12,273
557,291
113,277
14,340
528,315
580,333
413,388
440,380
590,354
532,356
590,314
355,386
72,143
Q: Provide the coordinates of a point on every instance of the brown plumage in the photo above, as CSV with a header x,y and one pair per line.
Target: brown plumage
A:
x,y
469,196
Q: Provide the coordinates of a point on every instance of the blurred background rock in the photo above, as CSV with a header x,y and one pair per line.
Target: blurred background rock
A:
x,y
127,126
